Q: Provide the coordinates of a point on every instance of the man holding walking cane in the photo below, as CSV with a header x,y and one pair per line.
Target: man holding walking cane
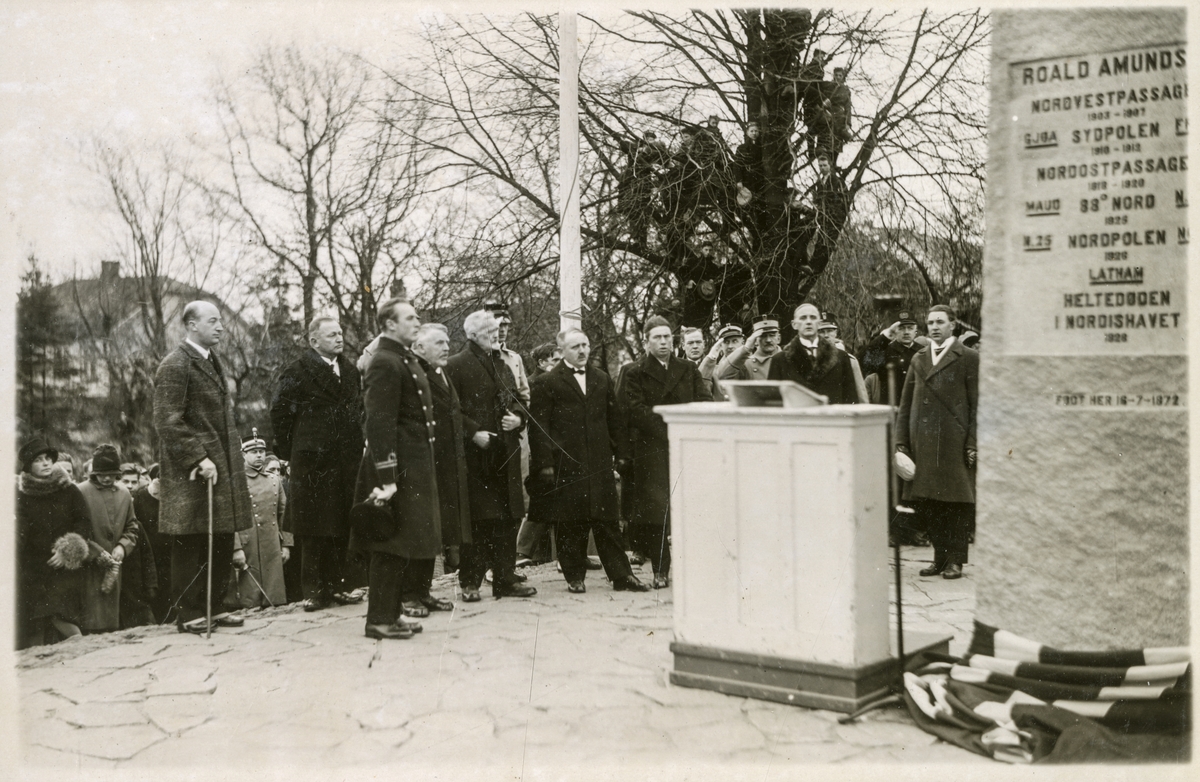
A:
x,y
204,498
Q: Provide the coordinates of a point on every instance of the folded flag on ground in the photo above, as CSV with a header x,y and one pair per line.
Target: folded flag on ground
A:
x,y
1019,701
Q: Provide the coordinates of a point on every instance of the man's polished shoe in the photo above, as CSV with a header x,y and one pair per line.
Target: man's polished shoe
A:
x,y
228,620
576,586
388,632
524,562
471,596
637,559
196,626
593,564
518,576
512,590
436,603
630,584
661,582
317,604
932,570
348,598
414,608
952,571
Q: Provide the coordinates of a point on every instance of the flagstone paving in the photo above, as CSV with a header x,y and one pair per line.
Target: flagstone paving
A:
x,y
515,688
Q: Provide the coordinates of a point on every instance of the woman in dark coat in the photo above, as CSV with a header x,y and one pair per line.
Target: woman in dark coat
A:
x,y
50,510
658,378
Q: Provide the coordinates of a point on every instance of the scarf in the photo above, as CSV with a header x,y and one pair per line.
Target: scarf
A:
x,y
33,486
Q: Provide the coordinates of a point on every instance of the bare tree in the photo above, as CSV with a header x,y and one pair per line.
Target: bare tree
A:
x,y
700,237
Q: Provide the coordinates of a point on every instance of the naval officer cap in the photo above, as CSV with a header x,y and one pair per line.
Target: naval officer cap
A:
x,y
906,317
828,320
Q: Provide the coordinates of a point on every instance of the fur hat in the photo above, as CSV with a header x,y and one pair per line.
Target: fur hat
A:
x,y
69,552
32,450
106,459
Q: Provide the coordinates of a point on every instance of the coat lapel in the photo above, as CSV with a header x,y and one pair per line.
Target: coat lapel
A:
x,y
952,354
205,366
655,370
322,373
566,377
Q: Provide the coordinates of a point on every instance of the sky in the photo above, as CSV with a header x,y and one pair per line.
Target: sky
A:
x,y
138,71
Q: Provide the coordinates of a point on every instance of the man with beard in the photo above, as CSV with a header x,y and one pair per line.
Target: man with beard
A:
x,y
397,471
432,347
574,439
658,378
816,364
488,392
317,417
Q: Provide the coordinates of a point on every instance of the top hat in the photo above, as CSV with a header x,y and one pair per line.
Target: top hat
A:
x,y
32,450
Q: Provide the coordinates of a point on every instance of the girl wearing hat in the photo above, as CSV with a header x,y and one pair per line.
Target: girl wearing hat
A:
x,y
52,530
115,530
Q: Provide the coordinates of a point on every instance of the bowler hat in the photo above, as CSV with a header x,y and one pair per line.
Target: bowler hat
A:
x,y
373,523
32,450
906,317
106,460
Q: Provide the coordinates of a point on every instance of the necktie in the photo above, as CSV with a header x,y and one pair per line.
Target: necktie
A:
x,y
216,364
579,371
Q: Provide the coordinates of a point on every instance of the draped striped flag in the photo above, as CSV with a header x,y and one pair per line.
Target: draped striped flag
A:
x,y
1020,701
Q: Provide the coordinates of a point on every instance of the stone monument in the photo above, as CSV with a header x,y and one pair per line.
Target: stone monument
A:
x,y
1082,534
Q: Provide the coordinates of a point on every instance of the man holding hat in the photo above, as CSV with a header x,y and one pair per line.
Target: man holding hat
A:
x,y
814,363
115,530
752,361
199,444
935,441
266,546
511,357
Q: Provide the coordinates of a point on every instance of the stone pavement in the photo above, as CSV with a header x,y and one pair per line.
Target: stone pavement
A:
x,y
500,689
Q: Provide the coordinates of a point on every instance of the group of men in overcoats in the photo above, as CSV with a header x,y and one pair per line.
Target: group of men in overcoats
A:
x,y
434,440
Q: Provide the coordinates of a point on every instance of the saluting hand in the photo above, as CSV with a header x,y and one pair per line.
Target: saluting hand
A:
x,y
892,331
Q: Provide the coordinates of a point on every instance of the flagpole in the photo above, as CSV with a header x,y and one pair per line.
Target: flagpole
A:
x,y
570,276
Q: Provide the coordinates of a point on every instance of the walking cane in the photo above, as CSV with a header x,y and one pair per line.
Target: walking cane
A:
x,y
208,592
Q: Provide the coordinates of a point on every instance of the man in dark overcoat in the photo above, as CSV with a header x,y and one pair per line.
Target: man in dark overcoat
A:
x,y
817,364
397,470
432,347
935,429
658,378
574,439
317,418
198,442
488,392
897,344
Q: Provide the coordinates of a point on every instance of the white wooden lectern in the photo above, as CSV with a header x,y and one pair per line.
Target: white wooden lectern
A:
x,y
780,561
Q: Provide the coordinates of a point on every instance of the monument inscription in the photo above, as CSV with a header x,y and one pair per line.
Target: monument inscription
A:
x,y
1098,205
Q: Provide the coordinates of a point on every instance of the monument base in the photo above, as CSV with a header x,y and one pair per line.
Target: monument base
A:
x,y
795,682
